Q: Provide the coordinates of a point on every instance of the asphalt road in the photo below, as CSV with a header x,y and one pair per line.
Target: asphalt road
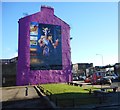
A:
x,y
22,97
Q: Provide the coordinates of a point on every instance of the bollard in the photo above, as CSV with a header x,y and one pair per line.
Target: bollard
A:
x,y
90,91
114,89
26,91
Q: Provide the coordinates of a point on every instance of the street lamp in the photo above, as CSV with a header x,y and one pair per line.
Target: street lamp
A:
x,y
101,57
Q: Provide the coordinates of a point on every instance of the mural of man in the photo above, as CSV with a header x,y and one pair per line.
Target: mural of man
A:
x,y
48,46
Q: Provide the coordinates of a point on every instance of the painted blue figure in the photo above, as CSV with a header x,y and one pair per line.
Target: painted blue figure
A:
x,y
47,50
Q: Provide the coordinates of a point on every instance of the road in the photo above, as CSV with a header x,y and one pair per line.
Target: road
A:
x,y
22,97
86,84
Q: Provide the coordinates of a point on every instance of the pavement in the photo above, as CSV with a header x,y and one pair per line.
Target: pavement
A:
x,y
27,97
22,97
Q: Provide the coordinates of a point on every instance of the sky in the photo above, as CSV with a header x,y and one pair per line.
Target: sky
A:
x,y
94,29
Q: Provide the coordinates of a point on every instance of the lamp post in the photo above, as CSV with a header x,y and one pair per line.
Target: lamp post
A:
x,y
102,63
101,57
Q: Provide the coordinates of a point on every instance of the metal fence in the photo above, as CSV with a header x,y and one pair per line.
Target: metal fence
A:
x,y
74,102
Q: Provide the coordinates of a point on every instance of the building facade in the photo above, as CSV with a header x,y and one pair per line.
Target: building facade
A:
x,y
44,54
82,68
9,69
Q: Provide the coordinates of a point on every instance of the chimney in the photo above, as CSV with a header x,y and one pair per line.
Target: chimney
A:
x,y
47,9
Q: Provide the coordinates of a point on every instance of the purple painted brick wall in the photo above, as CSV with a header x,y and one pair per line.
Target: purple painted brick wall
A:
x,y
24,74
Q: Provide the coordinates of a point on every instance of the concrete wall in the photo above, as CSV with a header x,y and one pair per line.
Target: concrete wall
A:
x,y
24,74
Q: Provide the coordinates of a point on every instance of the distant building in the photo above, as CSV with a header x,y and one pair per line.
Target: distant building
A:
x,y
9,68
81,68
7,61
100,68
117,68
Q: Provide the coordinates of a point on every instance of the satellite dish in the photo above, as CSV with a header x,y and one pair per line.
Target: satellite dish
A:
x,y
25,14
71,38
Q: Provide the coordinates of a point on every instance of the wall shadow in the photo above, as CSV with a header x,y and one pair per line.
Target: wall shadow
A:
x,y
85,100
32,104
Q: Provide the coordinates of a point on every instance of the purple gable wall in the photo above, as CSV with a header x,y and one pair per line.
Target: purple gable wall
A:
x,y
24,74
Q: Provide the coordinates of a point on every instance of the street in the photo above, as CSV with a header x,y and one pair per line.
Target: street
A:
x,y
22,97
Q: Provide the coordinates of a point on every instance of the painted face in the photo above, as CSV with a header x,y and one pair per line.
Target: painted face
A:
x,y
49,37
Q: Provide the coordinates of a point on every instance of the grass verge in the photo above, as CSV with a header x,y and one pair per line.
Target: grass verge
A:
x,y
67,95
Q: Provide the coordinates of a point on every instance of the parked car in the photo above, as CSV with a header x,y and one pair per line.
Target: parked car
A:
x,y
99,74
75,78
104,80
87,80
112,76
81,77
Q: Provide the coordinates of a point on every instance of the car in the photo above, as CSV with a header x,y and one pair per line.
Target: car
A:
x,y
104,80
115,76
81,77
99,74
87,80
112,76
75,78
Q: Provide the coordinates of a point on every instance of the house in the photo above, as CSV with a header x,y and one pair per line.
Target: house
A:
x,y
44,54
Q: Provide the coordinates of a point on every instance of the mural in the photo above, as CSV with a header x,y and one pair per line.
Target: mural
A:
x,y
45,47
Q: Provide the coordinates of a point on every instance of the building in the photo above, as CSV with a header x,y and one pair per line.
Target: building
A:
x,y
44,54
82,68
9,69
117,68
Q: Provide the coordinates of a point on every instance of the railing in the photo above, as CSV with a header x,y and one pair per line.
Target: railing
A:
x,y
74,84
73,102
46,92
76,102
